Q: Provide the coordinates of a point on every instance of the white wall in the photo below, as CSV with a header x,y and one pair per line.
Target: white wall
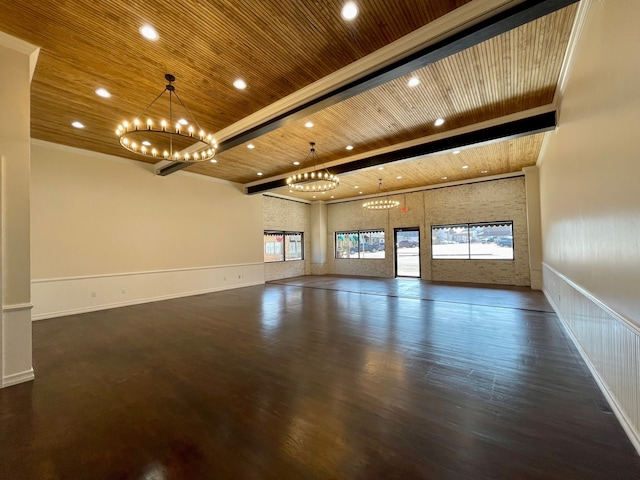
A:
x,y
590,203
106,232
500,199
17,59
292,216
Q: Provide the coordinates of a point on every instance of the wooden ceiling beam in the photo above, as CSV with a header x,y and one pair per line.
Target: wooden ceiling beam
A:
x,y
513,129
498,24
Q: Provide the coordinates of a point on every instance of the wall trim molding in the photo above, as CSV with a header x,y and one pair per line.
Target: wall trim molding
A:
x,y
16,378
147,272
17,307
626,424
627,322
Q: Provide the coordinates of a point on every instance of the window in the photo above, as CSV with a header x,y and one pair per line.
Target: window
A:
x,y
360,244
473,241
283,246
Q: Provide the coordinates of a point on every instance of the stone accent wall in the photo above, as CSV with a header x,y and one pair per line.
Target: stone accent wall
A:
x,y
292,216
503,199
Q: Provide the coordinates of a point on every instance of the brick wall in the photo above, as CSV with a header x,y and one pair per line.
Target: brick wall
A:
x,y
503,199
287,215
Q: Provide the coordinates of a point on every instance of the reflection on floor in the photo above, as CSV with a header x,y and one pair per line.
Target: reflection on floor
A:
x,y
313,378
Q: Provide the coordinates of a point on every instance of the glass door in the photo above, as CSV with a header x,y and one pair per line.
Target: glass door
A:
x,y
407,251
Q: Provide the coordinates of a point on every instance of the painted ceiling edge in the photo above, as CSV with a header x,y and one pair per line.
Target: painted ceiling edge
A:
x,y
502,22
514,129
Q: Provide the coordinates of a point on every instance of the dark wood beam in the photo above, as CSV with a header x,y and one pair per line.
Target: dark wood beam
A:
x,y
517,128
498,24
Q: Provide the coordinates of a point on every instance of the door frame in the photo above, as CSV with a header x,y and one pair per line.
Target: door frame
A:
x,y
395,251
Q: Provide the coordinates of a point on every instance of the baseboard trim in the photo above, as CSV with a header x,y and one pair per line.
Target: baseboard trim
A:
x,y
16,378
627,425
137,301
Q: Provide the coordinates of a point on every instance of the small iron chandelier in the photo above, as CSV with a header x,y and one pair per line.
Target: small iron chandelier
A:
x,y
182,141
317,180
380,204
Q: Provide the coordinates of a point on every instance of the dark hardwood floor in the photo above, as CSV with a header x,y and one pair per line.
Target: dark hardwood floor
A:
x,y
313,378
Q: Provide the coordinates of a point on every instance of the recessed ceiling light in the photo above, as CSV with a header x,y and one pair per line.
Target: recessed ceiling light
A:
x,y
324,193
251,146
259,174
333,196
349,11
380,168
456,152
399,177
213,160
314,196
146,143
444,178
103,92
240,84
308,124
356,186
484,171
77,124
413,82
464,167
148,32
360,193
349,147
182,121
439,122
296,163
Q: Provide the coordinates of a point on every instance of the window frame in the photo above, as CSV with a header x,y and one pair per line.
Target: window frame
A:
x,y
360,251
468,235
284,234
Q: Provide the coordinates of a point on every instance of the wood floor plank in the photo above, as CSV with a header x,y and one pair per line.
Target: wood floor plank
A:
x,y
313,378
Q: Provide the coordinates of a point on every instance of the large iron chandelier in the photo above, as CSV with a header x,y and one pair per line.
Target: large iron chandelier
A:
x,y
316,180
380,203
171,137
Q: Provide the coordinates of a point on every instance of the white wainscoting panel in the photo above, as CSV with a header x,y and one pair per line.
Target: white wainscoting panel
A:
x,y
608,342
16,348
65,296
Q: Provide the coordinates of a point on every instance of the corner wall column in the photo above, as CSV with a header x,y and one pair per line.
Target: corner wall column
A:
x,y
319,229
534,224
18,62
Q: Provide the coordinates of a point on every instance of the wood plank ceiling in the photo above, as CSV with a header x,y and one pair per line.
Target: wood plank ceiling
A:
x,y
278,48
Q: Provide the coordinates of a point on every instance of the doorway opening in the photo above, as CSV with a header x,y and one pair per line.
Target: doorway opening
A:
x,y
407,251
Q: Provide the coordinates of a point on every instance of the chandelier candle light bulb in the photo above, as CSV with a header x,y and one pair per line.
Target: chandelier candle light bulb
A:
x,y
319,180
378,203
175,145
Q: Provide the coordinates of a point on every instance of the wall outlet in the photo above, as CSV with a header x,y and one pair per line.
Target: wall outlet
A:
x,y
93,294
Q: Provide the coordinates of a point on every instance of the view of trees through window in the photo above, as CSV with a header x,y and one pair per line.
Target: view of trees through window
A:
x,y
283,246
360,244
475,241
